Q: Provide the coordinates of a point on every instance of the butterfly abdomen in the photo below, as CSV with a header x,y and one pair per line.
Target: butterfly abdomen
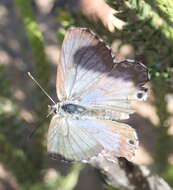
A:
x,y
107,114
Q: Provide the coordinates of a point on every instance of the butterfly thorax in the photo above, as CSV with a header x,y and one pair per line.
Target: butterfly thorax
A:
x,y
67,109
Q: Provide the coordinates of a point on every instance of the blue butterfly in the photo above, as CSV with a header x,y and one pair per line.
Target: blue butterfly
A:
x,y
95,93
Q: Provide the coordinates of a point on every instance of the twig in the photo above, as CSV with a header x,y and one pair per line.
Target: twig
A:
x,y
128,176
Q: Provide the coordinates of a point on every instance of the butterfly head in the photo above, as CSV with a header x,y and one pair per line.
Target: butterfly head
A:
x,y
53,109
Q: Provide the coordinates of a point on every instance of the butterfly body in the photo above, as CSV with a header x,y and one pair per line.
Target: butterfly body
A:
x,y
95,93
70,109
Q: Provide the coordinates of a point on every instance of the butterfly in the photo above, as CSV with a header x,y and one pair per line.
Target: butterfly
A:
x,y
95,93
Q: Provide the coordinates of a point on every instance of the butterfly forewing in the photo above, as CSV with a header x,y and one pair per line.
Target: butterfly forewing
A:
x,y
84,59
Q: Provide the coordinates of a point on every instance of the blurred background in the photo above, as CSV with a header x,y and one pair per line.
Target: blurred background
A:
x,y
31,34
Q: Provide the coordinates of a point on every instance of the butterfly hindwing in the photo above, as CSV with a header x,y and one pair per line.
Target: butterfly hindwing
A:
x,y
118,139
68,138
81,140
116,91
123,82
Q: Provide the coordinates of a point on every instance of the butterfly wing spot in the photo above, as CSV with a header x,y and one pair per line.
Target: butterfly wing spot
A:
x,y
140,95
131,142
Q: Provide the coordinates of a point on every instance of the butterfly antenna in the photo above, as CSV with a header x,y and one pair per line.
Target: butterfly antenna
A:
x,y
29,74
32,133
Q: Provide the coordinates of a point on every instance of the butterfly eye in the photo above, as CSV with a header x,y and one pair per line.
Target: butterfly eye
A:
x,y
52,109
55,110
